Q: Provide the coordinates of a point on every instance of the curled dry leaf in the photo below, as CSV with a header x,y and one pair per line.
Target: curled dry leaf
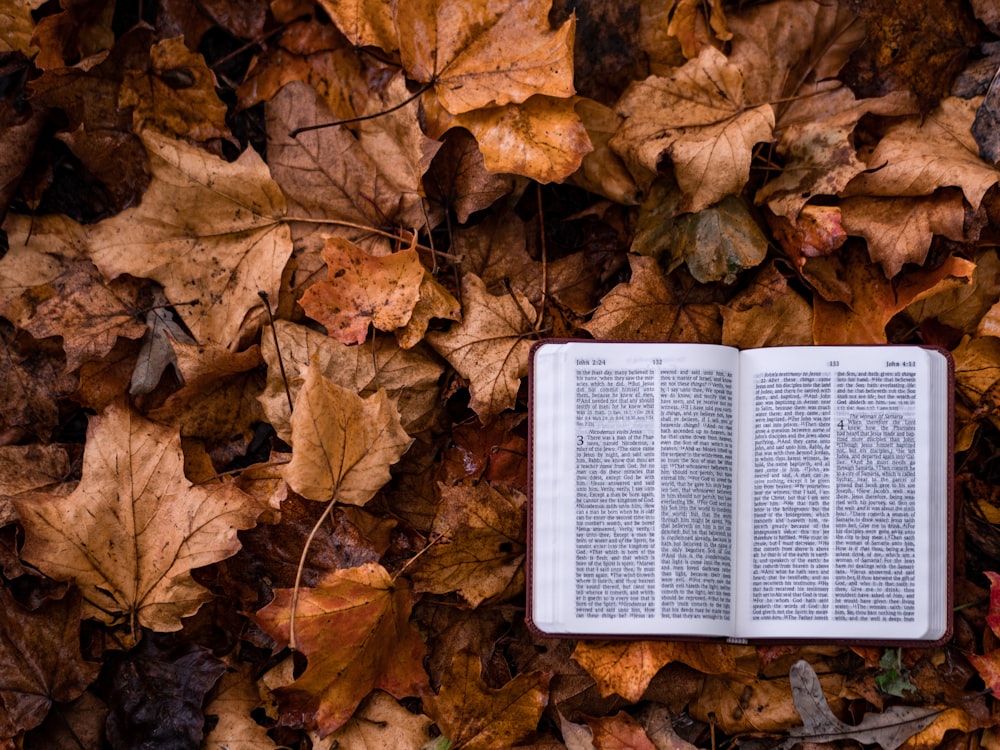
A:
x,y
343,444
476,717
698,121
362,290
480,546
134,528
353,628
489,347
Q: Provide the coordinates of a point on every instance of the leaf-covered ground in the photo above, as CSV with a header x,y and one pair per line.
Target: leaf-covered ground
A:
x,y
263,375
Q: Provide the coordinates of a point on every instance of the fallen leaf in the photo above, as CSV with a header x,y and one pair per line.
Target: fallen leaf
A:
x,y
366,23
476,717
379,722
917,156
889,729
697,121
602,171
654,307
767,313
343,444
157,352
133,529
477,544
434,302
489,347
31,381
363,290
40,661
485,55
353,629
815,231
156,693
626,667
458,179
717,242
210,269
24,468
542,138
619,732
18,27
232,701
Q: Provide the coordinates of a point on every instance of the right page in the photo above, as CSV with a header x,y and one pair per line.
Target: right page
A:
x,y
842,494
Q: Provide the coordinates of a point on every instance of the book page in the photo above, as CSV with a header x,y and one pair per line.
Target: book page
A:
x,y
835,493
633,488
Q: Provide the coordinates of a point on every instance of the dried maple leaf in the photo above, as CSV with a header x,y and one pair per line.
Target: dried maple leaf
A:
x,y
342,444
476,717
626,667
698,121
86,311
479,548
486,54
379,722
654,307
619,732
362,290
717,242
18,27
410,377
32,378
366,23
767,313
969,308
234,698
134,528
40,661
457,177
353,628
919,155
489,347
209,231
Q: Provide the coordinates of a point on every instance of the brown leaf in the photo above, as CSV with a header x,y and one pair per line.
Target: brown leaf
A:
x,y
435,302
379,722
919,155
410,377
211,267
342,444
363,290
767,313
31,380
488,347
602,171
233,699
654,307
619,732
478,546
134,527
476,717
353,628
717,242
40,660
815,231
542,138
89,313
18,28
698,121
479,56
626,667
24,468
366,23
458,179
175,95
971,307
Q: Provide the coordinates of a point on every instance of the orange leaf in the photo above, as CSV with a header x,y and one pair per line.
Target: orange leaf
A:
x,y
354,630
363,289
619,732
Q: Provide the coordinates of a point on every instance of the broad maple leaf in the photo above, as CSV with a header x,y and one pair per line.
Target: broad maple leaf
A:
x,y
134,528
474,716
40,661
652,307
208,231
489,347
353,628
478,55
699,121
363,290
343,444
480,547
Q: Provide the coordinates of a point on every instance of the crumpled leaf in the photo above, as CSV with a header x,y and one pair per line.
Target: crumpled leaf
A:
x,y
134,528
815,231
458,179
156,694
489,347
343,444
479,544
718,242
888,730
654,307
40,660
476,717
211,268
362,290
767,313
353,628
698,121
485,55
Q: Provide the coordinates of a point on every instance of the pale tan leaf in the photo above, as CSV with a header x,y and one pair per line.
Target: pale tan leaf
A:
x,y
367,23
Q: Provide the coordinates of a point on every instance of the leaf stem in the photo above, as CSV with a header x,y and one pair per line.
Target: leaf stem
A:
x,y
307,128
298,572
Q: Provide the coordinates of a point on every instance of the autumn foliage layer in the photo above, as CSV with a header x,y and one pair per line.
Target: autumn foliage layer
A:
x,y
270,278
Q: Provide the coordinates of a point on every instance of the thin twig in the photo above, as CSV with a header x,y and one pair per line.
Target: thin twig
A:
x,y
281,363
360,118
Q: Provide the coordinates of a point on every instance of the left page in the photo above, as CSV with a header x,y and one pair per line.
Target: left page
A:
x,y
633,488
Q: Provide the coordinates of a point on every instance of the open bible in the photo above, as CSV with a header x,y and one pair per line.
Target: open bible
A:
x,y
769,494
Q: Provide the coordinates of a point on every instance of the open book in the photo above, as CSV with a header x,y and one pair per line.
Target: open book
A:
x,y
697,490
